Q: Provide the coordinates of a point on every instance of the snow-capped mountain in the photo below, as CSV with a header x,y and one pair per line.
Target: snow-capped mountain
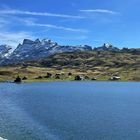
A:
x,y
34,50
107,47
5,52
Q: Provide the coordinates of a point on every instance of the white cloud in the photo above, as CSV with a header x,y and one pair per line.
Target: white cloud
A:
x,y
32,23
14,38
22,12
104,11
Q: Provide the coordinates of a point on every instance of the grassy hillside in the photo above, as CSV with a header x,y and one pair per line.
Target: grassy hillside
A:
x,y
93,64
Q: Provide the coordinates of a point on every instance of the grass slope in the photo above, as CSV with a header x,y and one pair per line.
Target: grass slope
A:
x,y
93,64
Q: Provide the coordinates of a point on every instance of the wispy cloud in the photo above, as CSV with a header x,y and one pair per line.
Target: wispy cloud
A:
x,y
3,22
32,23
13,38
104,11
81,37
22,12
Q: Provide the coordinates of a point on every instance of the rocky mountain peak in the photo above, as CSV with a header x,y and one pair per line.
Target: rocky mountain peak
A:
x,y
107,47
37,41
27,41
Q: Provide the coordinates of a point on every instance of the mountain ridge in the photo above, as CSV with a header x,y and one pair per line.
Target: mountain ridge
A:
x,y
34,50
38,49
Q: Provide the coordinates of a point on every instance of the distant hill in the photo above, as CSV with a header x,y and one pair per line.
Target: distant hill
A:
x,y
88,60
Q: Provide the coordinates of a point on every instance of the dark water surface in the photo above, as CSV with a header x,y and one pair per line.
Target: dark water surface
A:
x,y
70,111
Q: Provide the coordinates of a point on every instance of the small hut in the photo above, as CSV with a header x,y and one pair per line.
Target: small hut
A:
x,y
24,78
57,76
18,80
78,78
39,77
115,78
69,74
49,75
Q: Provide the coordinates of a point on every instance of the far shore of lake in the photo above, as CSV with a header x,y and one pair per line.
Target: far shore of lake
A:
x,y
42,81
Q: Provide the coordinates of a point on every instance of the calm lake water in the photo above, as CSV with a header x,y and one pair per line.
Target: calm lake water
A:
x,y
70,111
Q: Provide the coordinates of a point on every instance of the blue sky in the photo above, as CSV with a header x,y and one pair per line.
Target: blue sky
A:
x,y
72,22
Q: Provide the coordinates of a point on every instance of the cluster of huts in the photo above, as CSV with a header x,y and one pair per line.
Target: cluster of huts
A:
x,y
19,79
60,76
